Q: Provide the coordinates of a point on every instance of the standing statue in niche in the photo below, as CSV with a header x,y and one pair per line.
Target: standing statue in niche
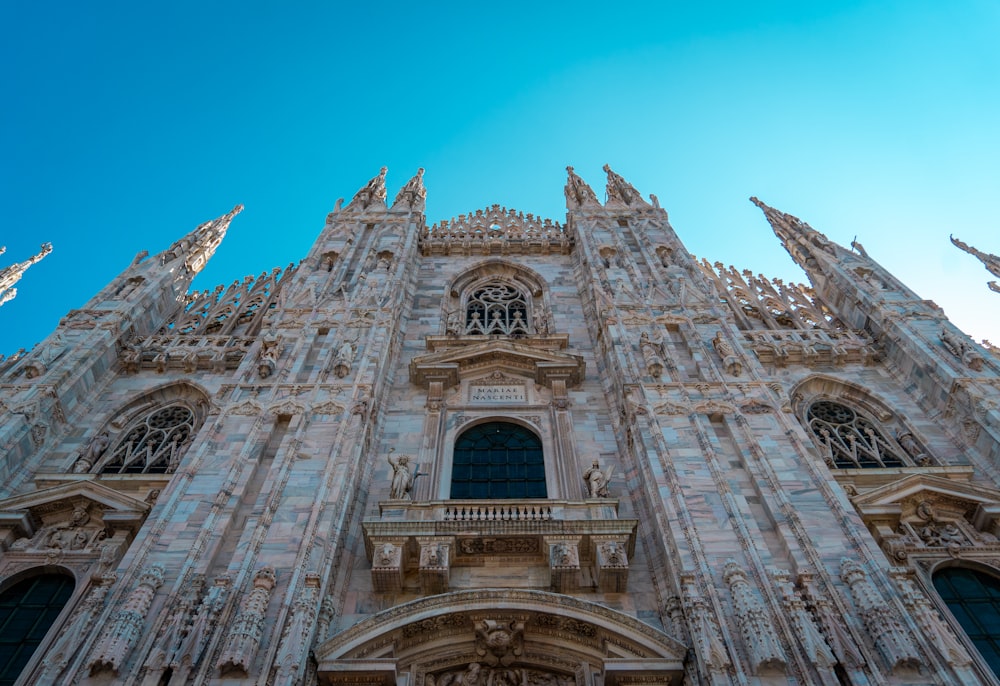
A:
x,y
729,360
402,476
597,480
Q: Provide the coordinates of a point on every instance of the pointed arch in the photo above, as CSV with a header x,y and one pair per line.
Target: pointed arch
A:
x,y
150,434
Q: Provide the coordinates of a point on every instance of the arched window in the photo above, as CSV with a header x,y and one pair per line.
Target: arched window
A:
x,y
850,440
498,460
974,598
27,611
496,308
153,443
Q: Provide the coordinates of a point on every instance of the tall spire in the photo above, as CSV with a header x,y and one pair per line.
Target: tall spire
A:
x,y
991,262
12,274
621,191
197,247
370,193
413,193
798,237
578,193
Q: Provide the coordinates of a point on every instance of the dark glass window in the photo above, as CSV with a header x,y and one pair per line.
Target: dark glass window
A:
x,y
27,610
974,599
498,460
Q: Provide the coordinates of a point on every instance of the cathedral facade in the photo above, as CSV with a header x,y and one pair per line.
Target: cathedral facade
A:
x,y
501,450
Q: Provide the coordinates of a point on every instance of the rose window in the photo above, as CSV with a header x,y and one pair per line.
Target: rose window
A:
x,y
850,440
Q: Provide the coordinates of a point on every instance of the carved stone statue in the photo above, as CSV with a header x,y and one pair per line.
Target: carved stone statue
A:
x,y
729,359
402,476
92,453
342,363
597,481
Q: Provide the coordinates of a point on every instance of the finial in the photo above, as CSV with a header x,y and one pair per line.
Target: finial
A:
x,y
12,274
371,192
578,193
413,193
621,191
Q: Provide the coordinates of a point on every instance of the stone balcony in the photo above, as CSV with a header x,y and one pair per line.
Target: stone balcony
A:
x,y
561,544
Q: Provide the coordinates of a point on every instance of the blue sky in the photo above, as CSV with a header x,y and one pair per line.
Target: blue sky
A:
x,y
125,125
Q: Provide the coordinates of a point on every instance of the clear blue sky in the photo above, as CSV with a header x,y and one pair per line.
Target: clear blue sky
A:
x,y
126,124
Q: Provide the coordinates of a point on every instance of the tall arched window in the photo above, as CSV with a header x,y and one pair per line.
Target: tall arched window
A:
x,y
498,460
153,443
849,439
27,611
974,598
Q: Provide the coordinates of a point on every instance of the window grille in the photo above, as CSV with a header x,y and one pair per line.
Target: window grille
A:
x,y
154,443
498,460
974,599
496,309
849,440
27,611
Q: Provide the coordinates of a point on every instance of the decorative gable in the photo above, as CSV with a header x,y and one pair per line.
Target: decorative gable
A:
x,y
505,356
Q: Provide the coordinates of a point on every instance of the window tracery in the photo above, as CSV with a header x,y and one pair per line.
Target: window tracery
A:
x,y
849,439
153,443
496,308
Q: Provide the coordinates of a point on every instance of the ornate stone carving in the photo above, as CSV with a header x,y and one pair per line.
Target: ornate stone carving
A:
x,y
578,193
434,564
597,481
730,361
621,191
759,636
705,636
59,654
651,356
961,349
499,641
807,633
127,625
564,564
296,638
248,628
343,360
403,476
932,626
12,274
991,262
495,230
611,568
884,628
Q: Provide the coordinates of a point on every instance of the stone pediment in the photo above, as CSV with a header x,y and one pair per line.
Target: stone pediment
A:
x,y
483,357
902,499
539,635
25,513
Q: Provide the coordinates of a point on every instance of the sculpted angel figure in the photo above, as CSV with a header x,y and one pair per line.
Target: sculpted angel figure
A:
x,y
402,476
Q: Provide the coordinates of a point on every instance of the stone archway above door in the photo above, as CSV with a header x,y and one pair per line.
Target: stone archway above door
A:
x,y
500,638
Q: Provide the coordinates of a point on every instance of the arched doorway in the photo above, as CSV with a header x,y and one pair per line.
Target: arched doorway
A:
x,y
27,612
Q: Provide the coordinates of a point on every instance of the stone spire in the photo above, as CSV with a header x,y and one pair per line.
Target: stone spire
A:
x,y
578,193
370,193
12,274
412,195
197,247
799,239
991,262
621,191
